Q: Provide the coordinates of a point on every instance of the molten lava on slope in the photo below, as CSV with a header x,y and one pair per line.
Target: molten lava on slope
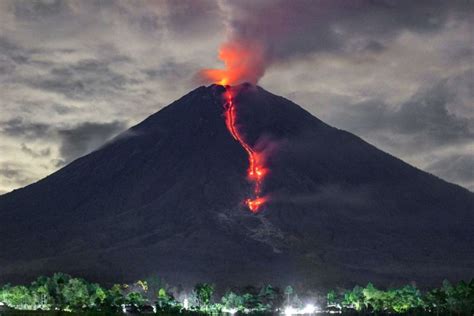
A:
x,y
244,61
257,170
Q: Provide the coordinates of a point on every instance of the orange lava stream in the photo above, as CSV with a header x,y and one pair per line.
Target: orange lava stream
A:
x,y
256,171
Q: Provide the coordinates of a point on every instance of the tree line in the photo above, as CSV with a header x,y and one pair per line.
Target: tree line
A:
x,y
449,299
62,292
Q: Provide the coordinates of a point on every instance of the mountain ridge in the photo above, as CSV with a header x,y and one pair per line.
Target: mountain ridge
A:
x,y
169,192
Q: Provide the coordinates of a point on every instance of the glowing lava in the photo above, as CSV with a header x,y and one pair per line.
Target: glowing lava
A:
x,y
256,171
244,62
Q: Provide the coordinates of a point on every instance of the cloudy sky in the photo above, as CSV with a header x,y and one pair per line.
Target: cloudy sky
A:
x,y
73,74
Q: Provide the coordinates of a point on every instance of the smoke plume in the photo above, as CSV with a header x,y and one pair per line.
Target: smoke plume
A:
x,y
265,32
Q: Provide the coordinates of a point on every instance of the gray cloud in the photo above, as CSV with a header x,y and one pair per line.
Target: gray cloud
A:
x,y
394,72
39,9
432,129
85,79
9,173
188,17
86,137
457,168
19,127
74,141
45,152
427,116
14,174
290,29
11,56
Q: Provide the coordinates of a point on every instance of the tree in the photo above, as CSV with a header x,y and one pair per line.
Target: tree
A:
x,y
251,302
135,299
204,293
165,300
76,295
230,301
405,299
288,291
459,298
18,297
115,297
331,298
354,298
97,294
154,283
55,285
270,297
373,297
41,296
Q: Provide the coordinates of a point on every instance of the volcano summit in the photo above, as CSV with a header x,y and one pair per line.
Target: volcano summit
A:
x,y
166,197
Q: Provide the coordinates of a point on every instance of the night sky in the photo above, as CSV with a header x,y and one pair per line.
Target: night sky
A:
x,y
399,74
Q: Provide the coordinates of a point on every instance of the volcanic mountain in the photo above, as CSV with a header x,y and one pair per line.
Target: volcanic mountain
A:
x,y
166,198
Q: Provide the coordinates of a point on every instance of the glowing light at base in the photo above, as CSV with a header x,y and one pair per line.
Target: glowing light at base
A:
x,y
290,310
231,311
308,309
257,170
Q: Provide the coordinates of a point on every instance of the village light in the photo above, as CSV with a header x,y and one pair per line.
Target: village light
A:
x,y
308,309
290,310
231,311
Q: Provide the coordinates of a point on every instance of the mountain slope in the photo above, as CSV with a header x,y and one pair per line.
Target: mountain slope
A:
x,y
166,196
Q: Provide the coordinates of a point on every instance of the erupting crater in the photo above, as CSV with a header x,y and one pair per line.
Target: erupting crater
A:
x,y
257,170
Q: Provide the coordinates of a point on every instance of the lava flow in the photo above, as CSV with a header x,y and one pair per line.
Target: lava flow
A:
x,y
256,171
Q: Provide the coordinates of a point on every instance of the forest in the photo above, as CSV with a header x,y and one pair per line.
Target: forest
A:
x,y
62,292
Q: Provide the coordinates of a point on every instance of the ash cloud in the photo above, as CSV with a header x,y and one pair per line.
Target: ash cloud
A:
x,y
287,29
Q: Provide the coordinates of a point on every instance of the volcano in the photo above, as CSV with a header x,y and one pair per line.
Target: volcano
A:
x,y
166,198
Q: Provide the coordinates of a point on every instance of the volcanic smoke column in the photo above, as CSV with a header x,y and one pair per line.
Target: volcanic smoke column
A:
x,y
256,171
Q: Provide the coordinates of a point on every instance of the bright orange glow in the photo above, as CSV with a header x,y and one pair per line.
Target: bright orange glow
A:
x,y
257,170
244,62
254,204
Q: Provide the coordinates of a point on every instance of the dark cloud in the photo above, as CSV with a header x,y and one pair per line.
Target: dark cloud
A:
x,y
86,137
190,18
15,174
74,141
268,32
39,9
375,47
427,112
85,79
61,109
45,152
294,28
427,115
62,61
9,173
19,127
458,168
170,72
426,127
11,55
